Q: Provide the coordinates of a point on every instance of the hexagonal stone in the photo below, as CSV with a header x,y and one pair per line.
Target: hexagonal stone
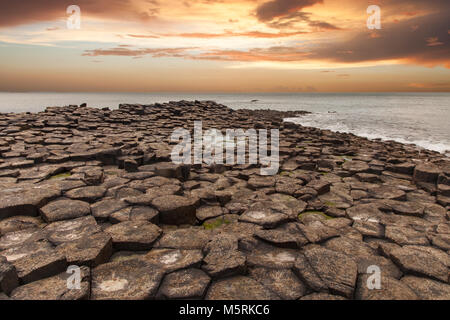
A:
x,y
25,201
426,172
71,230
88,194
19,223
387,192
175,209
256,182
103,209
323,269
414,261
239,288
364,255
8,276
17,238
267,214
171,260
288,235
321,186
185,238
55,288
391,289
40,265
272,257
296,206
223,257
184,284
134,235
91,250
355,166
65,210
26,249
282,282
133,279
207,212
407,208
404,235
428,289
135,214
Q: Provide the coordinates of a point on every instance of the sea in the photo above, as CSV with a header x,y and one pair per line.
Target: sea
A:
x,y
422,119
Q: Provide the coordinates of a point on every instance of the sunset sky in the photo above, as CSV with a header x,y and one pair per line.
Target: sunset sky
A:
x,y
225,46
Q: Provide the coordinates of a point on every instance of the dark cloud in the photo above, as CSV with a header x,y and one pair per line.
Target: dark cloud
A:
x,y
429,43
278,8
30,11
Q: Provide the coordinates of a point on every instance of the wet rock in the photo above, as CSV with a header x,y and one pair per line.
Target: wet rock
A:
x,y
65,210
283,283
55,288
175,209
184,284
134,235
134,279
239,288
91,250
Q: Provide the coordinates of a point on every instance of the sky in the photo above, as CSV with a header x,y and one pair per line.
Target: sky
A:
x,y
224,46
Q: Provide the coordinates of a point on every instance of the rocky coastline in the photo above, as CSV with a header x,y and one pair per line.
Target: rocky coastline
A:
x,y
96,188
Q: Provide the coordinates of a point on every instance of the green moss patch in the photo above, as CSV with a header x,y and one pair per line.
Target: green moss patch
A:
x,y
215,224
63,175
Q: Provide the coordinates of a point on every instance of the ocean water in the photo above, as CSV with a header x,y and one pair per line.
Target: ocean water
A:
x,y
419,118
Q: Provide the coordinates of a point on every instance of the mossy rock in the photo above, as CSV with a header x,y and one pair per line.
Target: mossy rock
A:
x,y
215,224
63,175
330,204
302,215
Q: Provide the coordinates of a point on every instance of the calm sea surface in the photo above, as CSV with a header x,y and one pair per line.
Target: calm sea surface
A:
x,y
419,118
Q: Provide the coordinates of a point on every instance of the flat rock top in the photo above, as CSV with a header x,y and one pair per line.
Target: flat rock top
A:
x,y
95,188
